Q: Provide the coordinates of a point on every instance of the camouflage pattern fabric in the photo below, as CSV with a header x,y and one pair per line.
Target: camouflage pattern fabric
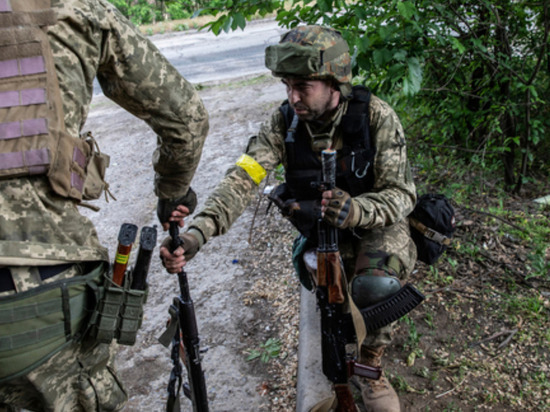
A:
x,y
79,378
38,227
392,199
383,224
322,38
135,75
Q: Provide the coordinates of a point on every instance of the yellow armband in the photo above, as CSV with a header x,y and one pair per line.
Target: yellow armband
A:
x,y
252,167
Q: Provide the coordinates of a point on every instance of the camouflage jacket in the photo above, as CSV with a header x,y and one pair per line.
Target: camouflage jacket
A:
x,y
135,75
391,200
93,39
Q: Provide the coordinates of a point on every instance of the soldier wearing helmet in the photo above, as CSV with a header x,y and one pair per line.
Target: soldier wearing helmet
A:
x,y
374,195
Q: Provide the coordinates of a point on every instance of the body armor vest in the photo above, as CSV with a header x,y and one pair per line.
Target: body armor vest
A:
x,y
354,172
33,139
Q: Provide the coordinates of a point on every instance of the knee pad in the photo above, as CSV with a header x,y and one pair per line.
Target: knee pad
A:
x,y
375,279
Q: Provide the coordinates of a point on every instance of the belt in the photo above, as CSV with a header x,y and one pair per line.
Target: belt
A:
x,y
45,272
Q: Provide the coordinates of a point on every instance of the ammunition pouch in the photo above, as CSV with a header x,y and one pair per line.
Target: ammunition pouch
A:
x,y
119,312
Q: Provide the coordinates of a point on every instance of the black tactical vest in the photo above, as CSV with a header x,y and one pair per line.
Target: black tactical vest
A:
x,y
354,172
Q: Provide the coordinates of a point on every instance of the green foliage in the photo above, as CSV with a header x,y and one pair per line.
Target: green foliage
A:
x,y
178,10
471,75
267,351
122,5
236,12
138,11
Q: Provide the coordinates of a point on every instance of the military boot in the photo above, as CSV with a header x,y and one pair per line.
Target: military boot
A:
x,y
378,394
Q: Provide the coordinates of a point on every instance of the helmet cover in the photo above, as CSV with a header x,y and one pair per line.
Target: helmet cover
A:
x,y
312,52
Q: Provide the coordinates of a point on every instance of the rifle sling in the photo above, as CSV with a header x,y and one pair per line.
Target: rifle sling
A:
x,y
385,312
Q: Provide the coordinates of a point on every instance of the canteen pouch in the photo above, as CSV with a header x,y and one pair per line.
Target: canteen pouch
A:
x,y
119,313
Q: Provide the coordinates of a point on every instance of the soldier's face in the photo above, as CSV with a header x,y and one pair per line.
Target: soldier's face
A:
x,y
311,99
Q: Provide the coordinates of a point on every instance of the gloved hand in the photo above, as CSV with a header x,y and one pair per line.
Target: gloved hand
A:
x,y
165,207
339,209
176,260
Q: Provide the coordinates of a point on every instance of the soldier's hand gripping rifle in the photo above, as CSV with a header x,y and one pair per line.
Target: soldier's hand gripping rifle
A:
x,y
183,333
337,326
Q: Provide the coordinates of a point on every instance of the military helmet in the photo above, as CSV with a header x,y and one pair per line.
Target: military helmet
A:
x,y
312,52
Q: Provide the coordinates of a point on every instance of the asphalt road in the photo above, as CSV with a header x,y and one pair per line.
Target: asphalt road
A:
x,y
201,57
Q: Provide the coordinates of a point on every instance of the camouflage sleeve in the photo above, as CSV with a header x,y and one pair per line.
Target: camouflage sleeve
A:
x,y
264,152
133,73
394,193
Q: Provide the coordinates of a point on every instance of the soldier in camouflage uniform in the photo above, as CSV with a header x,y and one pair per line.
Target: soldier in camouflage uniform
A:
x,y
375,192
43,237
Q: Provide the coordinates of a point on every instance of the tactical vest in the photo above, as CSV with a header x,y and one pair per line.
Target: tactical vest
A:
x,y
33,139
354,172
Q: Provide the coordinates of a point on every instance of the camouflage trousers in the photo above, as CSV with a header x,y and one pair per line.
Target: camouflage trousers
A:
x,y
394,240
81,377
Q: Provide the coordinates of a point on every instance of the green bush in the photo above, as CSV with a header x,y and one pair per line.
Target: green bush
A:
x,y
176,11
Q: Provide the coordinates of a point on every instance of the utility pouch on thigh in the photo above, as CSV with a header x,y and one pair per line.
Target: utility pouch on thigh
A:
x,y
119,313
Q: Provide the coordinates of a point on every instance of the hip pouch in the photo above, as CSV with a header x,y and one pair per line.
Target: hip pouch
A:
x,y
38,323
119,313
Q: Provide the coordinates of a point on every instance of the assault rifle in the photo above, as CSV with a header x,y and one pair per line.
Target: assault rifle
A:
x,y
184,334
337,328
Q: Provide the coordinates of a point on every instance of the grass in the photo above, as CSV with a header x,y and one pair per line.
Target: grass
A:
x,y
267,351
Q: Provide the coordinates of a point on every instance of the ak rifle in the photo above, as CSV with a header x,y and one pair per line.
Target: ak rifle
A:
x,y
183,332
337,328
331,296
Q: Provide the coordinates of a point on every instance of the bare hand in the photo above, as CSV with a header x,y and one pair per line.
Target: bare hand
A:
x,y
173,262
177,215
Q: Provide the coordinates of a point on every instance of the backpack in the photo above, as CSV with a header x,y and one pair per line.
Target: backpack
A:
x,y
432,226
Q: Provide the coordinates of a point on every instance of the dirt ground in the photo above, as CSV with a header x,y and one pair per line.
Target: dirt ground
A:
x,y
457,352
225,284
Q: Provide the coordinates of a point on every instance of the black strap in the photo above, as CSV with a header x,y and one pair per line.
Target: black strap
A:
x,y
6,282
47,272
289,141
66,310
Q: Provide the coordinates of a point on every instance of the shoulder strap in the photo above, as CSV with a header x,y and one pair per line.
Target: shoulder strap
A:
x,y
291,122
356,122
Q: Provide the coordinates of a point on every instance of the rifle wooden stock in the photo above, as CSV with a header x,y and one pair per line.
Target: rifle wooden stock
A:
x,y
346,402
330,272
